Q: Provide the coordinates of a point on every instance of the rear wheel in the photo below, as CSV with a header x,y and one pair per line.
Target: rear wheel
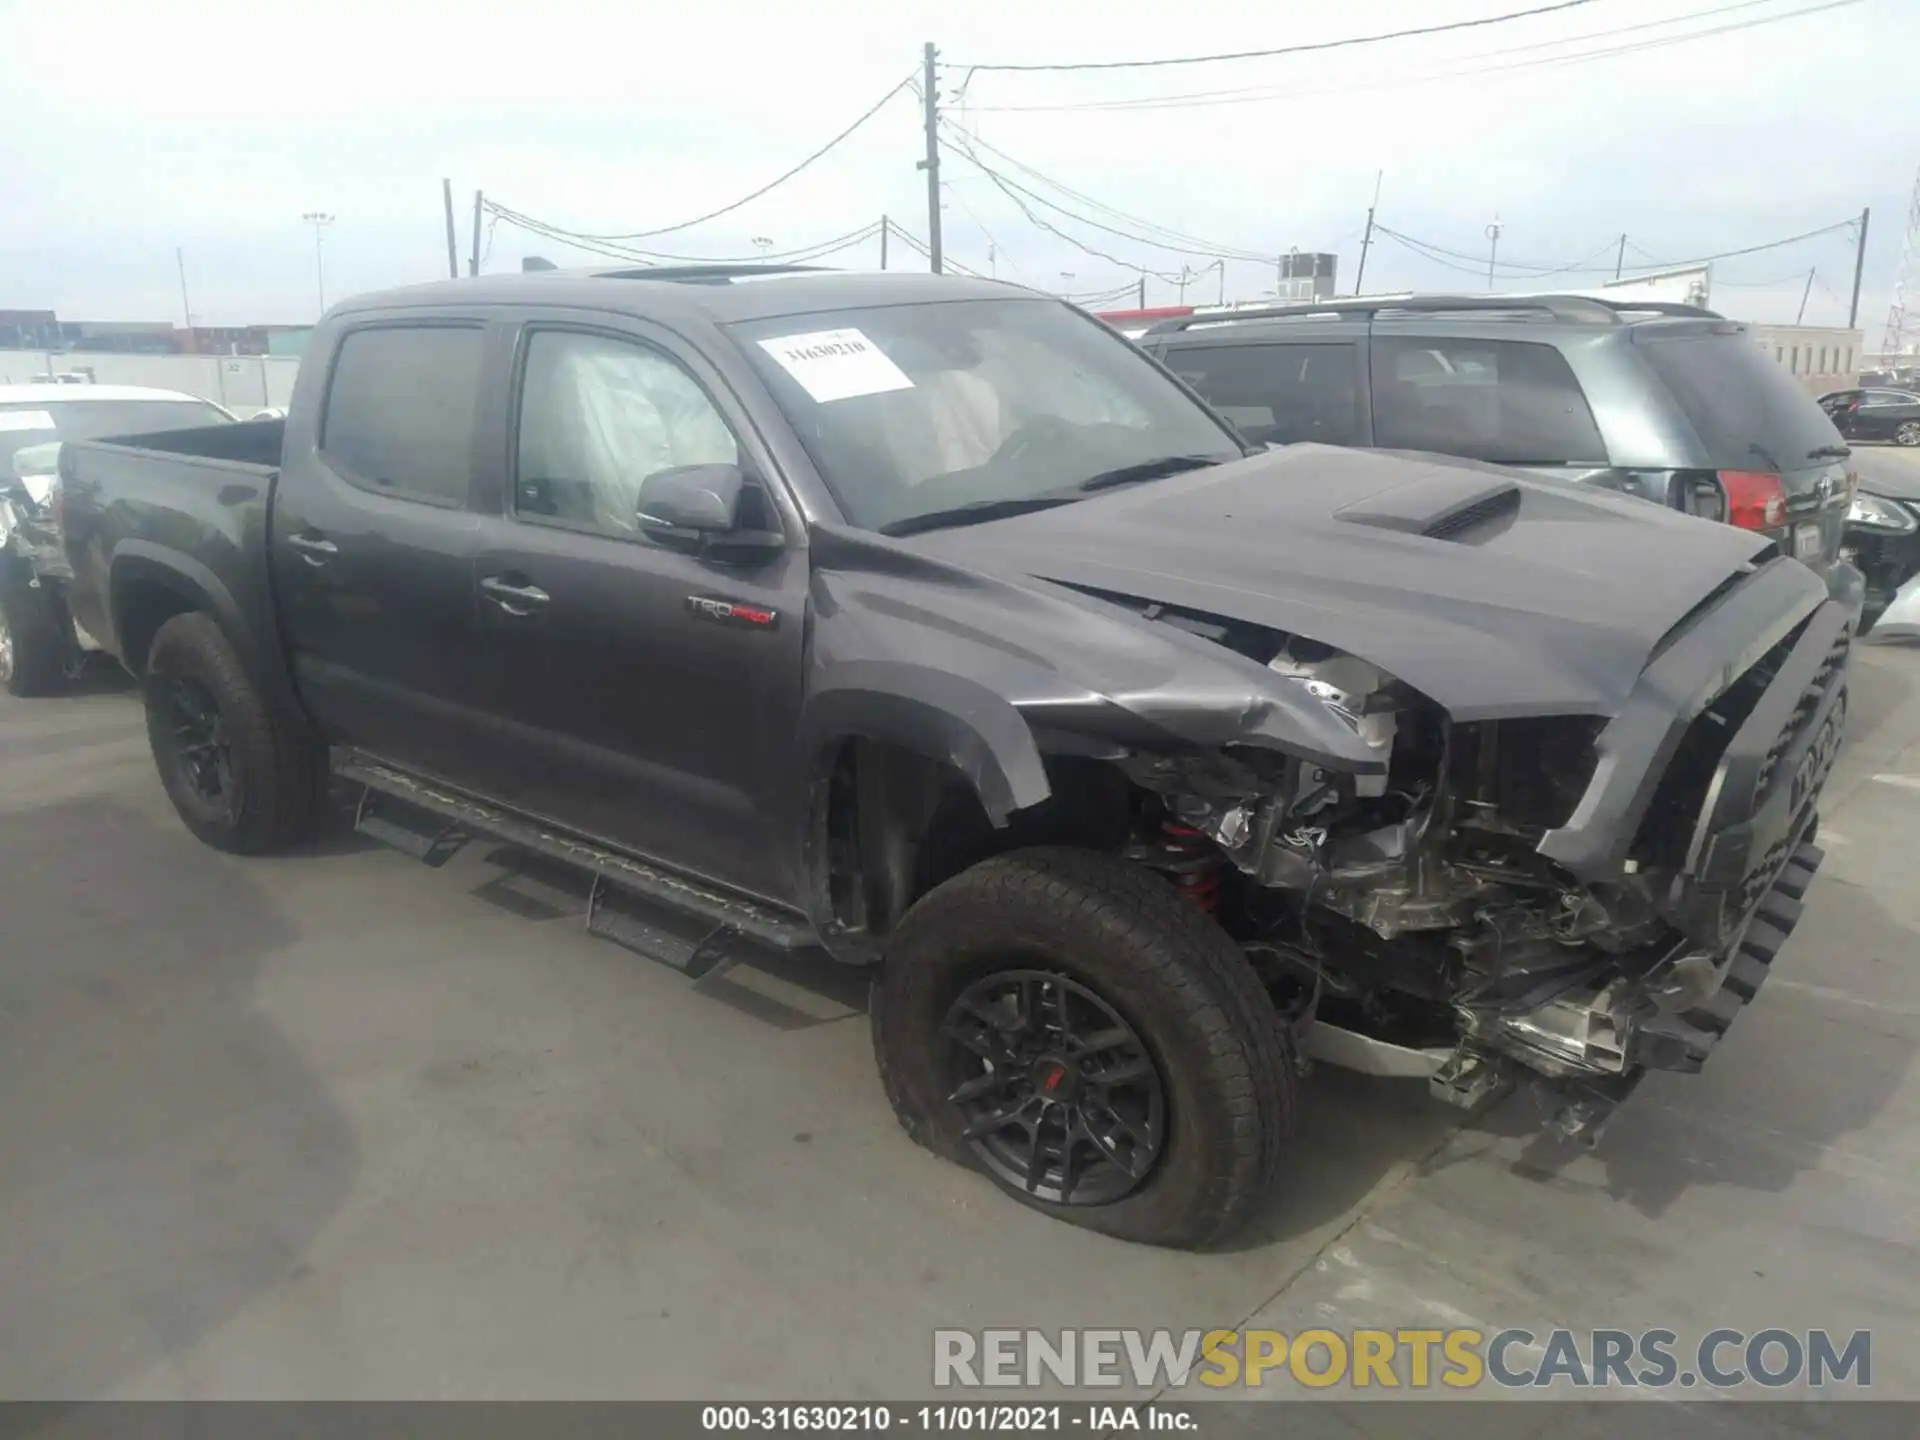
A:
x,y
33,642
1908,434
1067,1023
238,774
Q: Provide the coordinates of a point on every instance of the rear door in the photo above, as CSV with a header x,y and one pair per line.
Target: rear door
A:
x,y
1749,416
1278,392
639,690
1882,414
372,541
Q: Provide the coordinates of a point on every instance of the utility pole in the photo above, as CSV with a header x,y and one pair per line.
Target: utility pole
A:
x,y
931,95
1620,259
186,306
1143,289
1366,237
1808,290
1221,265
885,225
1859,263
319,219
473,265
453,245
993,263
1493,247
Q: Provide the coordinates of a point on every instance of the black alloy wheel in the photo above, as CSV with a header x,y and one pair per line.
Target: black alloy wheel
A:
x,y
200,745
1059,1095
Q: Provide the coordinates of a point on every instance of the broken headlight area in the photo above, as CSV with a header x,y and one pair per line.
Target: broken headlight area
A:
x,y
1405,921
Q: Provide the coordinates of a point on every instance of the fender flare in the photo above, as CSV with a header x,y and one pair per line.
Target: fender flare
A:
x,y
940,715
135,561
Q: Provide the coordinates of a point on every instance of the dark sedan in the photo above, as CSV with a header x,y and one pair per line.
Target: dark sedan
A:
x,y
1875,415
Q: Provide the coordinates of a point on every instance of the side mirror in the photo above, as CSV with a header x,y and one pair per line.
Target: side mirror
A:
x,y
711,507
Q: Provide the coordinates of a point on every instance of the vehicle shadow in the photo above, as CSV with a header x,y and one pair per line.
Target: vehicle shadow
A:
x,y
169,1156
1807,1064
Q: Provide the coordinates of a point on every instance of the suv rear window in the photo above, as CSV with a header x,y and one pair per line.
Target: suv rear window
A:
x,y
400,408
1741,402
1277,394
1511,402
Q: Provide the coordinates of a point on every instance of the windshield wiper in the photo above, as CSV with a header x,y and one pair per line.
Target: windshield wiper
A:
x,y
1149,470
974,513
1830,452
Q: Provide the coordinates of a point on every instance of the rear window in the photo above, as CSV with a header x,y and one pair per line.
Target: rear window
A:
x,y
400,411
1741,403
1277,394
1506,401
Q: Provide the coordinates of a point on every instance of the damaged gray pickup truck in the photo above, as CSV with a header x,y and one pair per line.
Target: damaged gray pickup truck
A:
x,y
926,623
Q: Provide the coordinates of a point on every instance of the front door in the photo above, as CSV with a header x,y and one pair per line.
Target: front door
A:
x,y
372,543
637,705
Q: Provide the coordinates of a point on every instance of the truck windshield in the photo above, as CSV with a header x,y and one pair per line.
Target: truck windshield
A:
x,y
926,414
27,423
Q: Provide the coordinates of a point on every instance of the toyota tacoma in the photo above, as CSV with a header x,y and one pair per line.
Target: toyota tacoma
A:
x,y
926,623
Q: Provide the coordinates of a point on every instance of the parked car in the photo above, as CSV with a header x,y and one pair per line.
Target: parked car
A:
x,y
1875,415
925,622
1883,541
1668,402
39,643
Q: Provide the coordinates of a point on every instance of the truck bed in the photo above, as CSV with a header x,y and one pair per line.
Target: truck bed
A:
x,y
140,503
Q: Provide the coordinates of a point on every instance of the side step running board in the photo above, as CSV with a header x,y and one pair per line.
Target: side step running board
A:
x,y
682,923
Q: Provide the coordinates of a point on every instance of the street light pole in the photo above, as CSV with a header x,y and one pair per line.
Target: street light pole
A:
x,y
1493,247
319,219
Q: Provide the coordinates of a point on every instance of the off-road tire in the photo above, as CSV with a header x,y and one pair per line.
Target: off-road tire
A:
x,y
36,643
1170,971
279,775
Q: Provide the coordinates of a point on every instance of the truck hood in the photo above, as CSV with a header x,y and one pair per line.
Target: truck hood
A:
x,y
1495,593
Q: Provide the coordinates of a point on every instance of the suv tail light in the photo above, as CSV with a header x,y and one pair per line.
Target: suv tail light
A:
x,y
1756,499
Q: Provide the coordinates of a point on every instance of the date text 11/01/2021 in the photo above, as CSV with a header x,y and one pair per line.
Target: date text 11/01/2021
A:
x,y
948,1419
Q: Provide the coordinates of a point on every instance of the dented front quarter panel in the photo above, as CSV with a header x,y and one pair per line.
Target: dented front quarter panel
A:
x,y
990,672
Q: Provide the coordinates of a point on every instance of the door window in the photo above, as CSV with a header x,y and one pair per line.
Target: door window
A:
x,y
400,411
1510,402
1277,394
597,417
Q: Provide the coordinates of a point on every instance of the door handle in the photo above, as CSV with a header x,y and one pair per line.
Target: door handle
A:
x,y
514,599
313,549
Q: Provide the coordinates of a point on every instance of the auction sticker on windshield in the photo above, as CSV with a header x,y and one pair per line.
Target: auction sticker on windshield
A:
x,y
25,420
837,364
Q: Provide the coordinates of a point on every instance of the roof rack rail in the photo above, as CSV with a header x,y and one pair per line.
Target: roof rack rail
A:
x,y
1572,308
717,273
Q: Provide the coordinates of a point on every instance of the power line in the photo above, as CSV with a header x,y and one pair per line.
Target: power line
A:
x,y
816,251
1261,94
1014,191
1513,269
1442,256
1315,46
771,185
1199,246
1014,194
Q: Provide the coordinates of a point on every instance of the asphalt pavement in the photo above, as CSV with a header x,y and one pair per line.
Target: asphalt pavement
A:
x,y
339,1125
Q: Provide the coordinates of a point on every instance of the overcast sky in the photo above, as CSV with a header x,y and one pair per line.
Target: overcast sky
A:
x,y
134,128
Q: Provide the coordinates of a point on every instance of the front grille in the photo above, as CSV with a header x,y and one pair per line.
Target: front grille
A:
x,y
1803,711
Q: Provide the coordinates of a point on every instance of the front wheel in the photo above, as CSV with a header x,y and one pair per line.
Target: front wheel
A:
x,y
1066,1022
239,775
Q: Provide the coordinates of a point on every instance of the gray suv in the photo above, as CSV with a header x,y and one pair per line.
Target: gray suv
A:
x,y
1673,403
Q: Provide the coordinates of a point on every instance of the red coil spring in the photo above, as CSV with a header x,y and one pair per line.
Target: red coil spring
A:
x,y
1191,862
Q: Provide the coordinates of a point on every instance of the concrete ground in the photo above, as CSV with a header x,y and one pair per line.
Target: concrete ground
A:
x,y
340,1125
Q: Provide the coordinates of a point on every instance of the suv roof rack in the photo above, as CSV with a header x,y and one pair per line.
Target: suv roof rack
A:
x,y
1579,309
